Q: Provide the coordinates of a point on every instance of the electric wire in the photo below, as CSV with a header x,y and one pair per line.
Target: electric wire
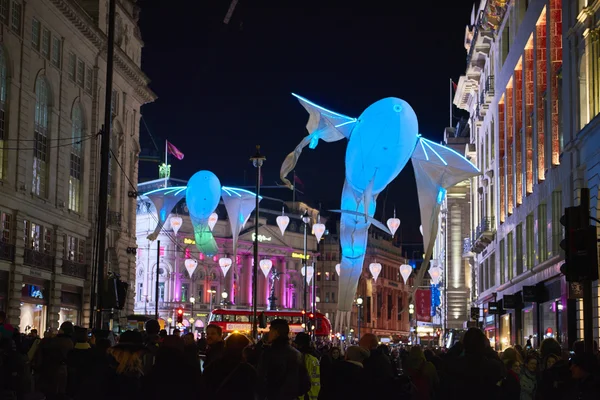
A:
x,y
47,147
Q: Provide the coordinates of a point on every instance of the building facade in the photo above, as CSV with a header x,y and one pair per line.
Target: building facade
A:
x,y
535,153
52,74
207,285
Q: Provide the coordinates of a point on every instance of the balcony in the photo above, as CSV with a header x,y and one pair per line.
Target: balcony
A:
x,y
484,234
489,89
37,259
72,268
114,219
7,251
467,248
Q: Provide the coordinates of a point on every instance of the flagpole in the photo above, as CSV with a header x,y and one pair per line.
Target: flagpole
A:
x,y
450,103
166,161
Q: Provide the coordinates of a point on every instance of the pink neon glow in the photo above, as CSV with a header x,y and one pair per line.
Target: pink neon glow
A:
x,y
201,256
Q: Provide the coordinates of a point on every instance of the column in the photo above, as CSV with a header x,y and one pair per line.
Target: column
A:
x,y
246,275
281,292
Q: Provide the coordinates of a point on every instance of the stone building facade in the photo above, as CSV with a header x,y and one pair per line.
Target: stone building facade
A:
x,y
52,74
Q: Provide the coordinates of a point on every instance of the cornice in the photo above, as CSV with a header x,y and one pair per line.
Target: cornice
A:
x,y
84,23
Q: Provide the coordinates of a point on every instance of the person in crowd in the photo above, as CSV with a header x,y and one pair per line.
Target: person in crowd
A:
x,y
215,344
422,373
528,378
584,371
511,385
6,329
348,377
190,350
556,379
80,362
529,344
311,361
378,367
50,362
152,343
231,376
282,374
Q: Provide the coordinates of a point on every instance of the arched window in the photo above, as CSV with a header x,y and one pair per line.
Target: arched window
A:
x,y
3,100
40,136
75,166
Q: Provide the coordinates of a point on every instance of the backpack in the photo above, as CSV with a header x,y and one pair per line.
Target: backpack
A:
x,y
421,383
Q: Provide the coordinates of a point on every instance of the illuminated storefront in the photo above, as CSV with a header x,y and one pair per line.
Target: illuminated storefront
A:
x,y
34,306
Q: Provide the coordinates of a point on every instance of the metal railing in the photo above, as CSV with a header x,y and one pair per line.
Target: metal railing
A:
x,y
7,251
72,268
114,219
467,245
487,224
489,85
38,259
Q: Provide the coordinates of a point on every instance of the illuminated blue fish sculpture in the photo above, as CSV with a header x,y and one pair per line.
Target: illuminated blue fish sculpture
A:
x,y
380,143
203,194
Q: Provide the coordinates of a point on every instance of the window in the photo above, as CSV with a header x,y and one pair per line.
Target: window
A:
x,y
35,34
45,50
17,8
140,289
389,306
542,234
557,228
40,148
161,291
75,165
115,103
80,73
519,249
510,255
56,51
184,292
89,77
327,275
3,100
4,11
74,249
71,71
529,239
399,308
37,237
6,228
502,262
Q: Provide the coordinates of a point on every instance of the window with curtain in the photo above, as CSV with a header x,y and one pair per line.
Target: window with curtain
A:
x,y
75,163
40,136
3,100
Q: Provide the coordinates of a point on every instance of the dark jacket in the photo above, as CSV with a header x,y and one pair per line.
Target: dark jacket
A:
x,y
214,352
229,378
345,382
281,373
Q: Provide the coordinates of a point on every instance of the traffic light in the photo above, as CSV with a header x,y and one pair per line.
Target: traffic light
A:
x,y
579,245
180,315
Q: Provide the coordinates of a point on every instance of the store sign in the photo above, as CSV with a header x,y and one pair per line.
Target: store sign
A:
x,y
475,313
575,290
239,327
494,308
423,305
261,238
301,256
511,301
189,241
531,294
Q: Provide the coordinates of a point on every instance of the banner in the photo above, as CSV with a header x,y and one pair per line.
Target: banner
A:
x,y
423,305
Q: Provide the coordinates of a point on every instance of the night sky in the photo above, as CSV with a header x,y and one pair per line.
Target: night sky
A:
x,y
223,89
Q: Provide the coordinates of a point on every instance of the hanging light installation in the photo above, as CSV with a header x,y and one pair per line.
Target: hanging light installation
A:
x,y
283,221
318,229
393,224
212,220
421,229
338,268
225,264
176,223
190,266
265,266
375,269
405,271
308,273
436,274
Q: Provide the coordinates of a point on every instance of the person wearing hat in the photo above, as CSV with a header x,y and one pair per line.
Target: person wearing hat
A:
x,y
584,368
303,344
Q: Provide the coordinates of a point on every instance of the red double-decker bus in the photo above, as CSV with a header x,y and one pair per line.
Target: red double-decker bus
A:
x,y
241,321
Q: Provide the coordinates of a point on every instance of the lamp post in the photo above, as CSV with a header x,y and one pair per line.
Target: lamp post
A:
x,y
305,220
257,160
210,300
224,296
411,311
192,300
359,303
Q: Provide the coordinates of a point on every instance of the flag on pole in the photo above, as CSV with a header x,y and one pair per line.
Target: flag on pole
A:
x,y
454,85
174,151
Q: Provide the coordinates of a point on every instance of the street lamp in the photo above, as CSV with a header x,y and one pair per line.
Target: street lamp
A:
x,y
411,311
211,293
192,300
359,303
192,326
257,160
305,220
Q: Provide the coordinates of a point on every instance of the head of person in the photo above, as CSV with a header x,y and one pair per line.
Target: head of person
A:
x,y
531,363
583,365
368,341
235,345
302,341
357,354
128,353
80,335
279,331
67,328
416,357
188,339
214,334
513,365
475,342
335,353
152,327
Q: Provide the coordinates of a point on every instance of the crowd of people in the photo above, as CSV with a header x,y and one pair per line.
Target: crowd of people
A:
x,y
76,364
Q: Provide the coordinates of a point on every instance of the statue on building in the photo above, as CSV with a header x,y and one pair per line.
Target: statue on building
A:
x,y
272,299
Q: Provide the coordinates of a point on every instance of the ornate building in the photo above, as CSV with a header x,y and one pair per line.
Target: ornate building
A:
x,y
207,285
52,74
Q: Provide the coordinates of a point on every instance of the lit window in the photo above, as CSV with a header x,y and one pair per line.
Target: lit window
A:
x,y
40,148
75,164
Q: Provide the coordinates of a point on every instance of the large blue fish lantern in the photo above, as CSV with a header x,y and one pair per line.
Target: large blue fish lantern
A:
x,y
203,194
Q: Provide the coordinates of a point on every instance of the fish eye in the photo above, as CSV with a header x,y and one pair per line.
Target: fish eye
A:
x,y
397,108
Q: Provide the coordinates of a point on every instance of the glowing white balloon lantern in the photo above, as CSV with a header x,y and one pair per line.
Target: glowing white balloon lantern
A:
x,y
190,265
375,269
212,221
421,229
245,221
308,273
318,229
176,223
225,264
282,222
265,266
436,274
338,268
405,271
393,224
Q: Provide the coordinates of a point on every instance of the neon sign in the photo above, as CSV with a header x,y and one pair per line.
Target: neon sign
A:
x,y
189,241
301,256
261,238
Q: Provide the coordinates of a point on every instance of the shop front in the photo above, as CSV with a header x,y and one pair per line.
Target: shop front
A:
x,y
34,305
70,304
